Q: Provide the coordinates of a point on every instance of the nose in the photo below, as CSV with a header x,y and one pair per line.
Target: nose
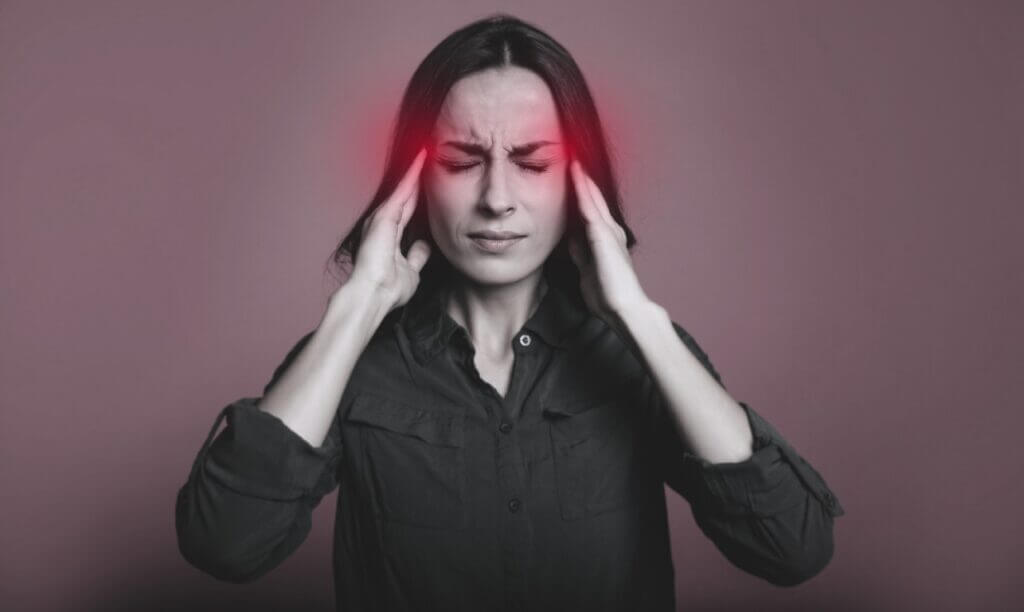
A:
x,y
496,199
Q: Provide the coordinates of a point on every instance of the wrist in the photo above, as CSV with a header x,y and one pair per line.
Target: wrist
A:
x,y
364,288
358,301
641,312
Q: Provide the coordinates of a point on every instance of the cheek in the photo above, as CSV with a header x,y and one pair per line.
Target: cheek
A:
x,y
439,194
555,196
440,216
448,191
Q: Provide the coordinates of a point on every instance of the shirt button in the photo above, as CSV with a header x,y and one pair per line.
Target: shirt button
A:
x,y
514,504
525,339
505,427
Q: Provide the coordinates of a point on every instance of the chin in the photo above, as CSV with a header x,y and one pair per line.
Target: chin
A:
x,y
494,272
488,275
488,270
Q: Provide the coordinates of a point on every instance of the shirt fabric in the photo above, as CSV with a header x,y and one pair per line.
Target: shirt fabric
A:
x,y
452,497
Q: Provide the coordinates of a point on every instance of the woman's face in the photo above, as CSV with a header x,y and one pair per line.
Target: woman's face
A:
x,y
491,168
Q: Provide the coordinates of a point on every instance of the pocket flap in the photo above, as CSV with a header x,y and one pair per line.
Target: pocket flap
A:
x,y
581,419
402,418
567,409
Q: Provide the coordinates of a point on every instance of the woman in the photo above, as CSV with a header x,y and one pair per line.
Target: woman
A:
x,y
496,396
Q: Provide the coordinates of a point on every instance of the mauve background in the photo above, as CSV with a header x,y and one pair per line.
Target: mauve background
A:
x,y
827,195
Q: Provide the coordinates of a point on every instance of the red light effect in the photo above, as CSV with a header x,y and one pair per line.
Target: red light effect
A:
x,y
372,121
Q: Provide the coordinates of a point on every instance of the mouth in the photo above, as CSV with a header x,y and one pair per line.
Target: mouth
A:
x,y
487,242
493,235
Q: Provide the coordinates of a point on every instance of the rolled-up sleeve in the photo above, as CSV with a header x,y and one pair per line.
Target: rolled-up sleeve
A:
x,y
771,514
259,456
248,501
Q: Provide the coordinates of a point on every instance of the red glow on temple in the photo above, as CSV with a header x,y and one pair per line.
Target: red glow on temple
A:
x,y
371,124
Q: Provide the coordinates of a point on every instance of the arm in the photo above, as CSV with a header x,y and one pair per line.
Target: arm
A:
x,y
248,501
762,505
702,412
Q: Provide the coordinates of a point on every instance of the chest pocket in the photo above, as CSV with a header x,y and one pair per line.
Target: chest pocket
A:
x,y
414,460
595,459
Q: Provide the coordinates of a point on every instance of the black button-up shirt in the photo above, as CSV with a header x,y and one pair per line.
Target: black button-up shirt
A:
x,y
452,497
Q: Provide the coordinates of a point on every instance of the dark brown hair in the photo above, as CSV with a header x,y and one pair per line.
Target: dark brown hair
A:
x,y
493,42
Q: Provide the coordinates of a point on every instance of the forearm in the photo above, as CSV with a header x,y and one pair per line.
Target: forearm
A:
x,y
779,533
764,507
236,536
711,423
248,499
307,395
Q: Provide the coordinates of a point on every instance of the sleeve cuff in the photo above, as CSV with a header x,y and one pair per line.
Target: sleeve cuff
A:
x,y
258,455
764,484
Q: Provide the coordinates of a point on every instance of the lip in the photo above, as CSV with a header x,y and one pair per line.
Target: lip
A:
x,y
495,235
495,246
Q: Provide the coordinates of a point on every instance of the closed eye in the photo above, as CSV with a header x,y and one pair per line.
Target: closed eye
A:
x,y
455,168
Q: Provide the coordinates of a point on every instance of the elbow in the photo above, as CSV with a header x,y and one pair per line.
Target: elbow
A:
x,y
215,563
205,547
769,554
803,561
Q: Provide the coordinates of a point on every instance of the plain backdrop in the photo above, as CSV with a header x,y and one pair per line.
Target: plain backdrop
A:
x,y
827,195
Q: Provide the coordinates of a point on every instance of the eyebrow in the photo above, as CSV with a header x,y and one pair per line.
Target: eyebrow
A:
x,y
516,151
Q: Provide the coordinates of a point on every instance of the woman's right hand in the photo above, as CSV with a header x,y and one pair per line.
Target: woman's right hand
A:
x,y
379,263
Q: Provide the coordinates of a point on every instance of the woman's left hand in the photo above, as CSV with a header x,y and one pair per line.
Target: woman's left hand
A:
x,y
608,282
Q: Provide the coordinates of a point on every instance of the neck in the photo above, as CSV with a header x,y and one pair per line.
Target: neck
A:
x,y
492,315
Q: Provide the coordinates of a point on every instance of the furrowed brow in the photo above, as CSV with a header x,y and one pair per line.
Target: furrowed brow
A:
x,y
516,151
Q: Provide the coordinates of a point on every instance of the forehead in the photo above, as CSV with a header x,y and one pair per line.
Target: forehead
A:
x,y
507,104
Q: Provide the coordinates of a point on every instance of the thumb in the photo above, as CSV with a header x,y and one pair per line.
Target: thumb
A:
x,y
418,254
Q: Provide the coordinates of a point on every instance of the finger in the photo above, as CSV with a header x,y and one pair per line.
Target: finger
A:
x,y
583,196
598,222
406,213
393,205
599,202
601,205
368,220
409,206
418,254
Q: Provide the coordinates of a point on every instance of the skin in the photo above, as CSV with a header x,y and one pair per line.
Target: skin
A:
x,y
498,110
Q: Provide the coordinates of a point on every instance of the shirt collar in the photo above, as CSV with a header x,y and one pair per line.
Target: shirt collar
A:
x,y
430,328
